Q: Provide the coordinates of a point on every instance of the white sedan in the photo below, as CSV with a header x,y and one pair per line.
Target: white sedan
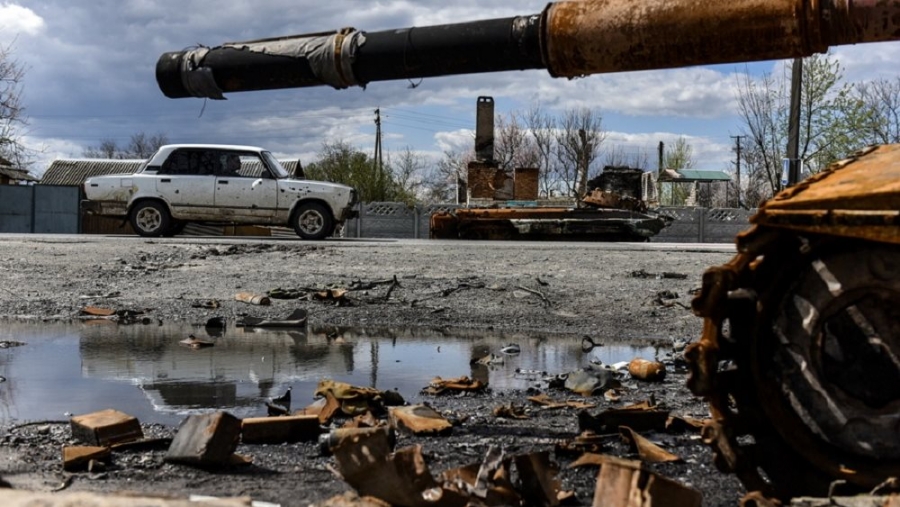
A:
x,y
221,184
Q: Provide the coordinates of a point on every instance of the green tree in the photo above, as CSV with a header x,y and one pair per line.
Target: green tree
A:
x,y
678,158
341,163
831,123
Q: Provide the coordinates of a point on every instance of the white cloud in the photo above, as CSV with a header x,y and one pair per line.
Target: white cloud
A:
x,y
15,20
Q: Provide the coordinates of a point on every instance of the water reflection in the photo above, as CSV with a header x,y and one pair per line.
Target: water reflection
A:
x,y
143,370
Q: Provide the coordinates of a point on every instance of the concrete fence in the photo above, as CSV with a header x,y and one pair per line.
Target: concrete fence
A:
x,y
55,209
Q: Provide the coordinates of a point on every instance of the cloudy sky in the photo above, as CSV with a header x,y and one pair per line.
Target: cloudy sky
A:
x,y
90,76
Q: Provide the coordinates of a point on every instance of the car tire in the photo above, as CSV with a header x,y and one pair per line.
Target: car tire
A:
x,y
312,220
150,219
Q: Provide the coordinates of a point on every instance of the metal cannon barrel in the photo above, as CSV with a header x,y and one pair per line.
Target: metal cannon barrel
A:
x,y
570,39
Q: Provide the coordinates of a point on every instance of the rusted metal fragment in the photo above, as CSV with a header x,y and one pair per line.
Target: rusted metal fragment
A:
x,y
439,386
399,478
488,482
97,311
683,424
420,420
253,299
588,459
597,36
538,481
77,457
324,408
858,197
330,441
549,403
275,430
651,371
626,483
586,442
106,427
647,450
355,400
639,418
510,411
206,440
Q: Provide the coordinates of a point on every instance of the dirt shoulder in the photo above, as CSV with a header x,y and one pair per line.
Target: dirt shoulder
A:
x,y
608,292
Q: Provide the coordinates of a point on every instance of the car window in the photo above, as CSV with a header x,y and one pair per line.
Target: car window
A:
x,y
190,162
242,165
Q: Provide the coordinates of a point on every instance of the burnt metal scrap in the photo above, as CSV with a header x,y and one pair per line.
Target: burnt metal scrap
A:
x,y
806,315
569,39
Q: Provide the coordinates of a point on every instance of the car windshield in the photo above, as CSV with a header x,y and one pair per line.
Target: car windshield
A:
x,y
277,168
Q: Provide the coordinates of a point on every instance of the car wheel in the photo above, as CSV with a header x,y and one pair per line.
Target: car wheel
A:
x,y
150,219
312,221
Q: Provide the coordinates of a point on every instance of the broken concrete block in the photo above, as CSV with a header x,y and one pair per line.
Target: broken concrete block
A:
x,y
275,430
205,440
77,457
627,484
106,427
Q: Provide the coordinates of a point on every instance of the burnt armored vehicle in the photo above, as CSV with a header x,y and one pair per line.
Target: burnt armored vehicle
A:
x,y
800,353
612,209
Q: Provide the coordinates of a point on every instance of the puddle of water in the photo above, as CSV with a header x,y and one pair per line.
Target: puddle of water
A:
x,y
77,368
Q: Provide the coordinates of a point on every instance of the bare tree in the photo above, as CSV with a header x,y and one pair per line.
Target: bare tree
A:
x,y
408,168
447,181
140,146
880,103
542,128
513,147
12,112
578,142
617,156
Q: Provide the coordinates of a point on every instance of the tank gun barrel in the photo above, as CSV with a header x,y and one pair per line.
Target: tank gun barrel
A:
x,y
569,38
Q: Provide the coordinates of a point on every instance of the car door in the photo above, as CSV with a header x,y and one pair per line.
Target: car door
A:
x,y
245,189
186,180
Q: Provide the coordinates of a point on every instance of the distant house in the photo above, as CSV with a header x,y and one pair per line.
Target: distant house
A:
x,y
688,187
10,175
74,172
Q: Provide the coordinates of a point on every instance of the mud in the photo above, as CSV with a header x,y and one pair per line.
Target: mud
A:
x,y
605,292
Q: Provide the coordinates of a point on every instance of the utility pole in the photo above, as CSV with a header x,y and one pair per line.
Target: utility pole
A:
x,y
379,167
793,147
585,152
737,173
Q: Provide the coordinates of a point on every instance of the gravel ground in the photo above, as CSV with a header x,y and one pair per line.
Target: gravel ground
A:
x,y
605,291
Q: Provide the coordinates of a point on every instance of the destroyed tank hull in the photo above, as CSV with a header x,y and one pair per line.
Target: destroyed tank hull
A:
x,y
547,224
800,352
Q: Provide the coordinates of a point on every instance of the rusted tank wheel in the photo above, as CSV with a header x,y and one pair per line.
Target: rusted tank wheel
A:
x,y
150,219
312,221
818,374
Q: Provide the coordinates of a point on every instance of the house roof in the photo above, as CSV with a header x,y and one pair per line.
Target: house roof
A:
x,y
687,175
16,174
74,172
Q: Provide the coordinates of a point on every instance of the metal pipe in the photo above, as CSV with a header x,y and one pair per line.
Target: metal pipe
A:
x,y
570,38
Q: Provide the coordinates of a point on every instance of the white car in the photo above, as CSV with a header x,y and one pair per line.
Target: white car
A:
x,y
222,184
